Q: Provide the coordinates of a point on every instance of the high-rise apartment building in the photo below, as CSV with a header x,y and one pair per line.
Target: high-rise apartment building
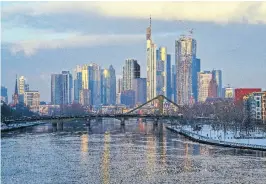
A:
x,y
185,52
22,87
204,79
77,78
4,96
195,70
151,65
84,97
131,70
32,100
140,88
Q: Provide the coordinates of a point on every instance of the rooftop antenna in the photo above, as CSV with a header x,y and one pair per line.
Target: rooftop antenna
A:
x,y
150,21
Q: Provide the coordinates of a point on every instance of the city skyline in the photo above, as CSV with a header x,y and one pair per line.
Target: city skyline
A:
x,y
226,50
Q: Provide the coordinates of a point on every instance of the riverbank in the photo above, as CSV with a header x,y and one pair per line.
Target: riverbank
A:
x,y
15,126
206,140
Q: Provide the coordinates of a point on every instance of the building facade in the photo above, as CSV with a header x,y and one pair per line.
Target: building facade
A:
x,y
32,100
131,70
174,88
161,71
139,86
254,105
195,70
204,79
4,96
169,77
213,88
67,87
77,79
151,65
241,92
228,92
217,74
85,96
185,52
128,98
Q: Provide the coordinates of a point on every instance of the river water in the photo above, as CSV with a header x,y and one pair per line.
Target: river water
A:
x,y
107,152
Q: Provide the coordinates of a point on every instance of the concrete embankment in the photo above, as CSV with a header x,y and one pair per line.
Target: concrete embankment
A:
x,y
205,140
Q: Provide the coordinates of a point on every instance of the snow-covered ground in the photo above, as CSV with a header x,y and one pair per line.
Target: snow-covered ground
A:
x,y
229,136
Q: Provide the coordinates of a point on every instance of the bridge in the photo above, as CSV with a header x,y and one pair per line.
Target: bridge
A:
x,y
160,108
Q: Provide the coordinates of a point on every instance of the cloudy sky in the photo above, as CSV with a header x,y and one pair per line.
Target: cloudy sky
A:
x,y
40,38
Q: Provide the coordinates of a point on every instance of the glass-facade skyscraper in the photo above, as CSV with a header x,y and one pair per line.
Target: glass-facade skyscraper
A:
x,y
195,70
4,96
217,74
139,86
169,77
77,78
108,86
173,87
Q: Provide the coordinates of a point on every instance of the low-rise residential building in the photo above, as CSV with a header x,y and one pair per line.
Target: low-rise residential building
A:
x,y
254,106
32,100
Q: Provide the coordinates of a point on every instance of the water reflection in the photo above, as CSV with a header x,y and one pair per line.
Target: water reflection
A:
x,y
108,152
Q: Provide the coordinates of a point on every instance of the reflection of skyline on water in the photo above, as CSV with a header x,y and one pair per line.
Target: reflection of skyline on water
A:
x,y
108,152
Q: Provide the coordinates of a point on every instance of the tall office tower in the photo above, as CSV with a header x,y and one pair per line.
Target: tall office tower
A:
x,y
4,96
95,84
77,78
56,89
217,74
174,90
61,88
161,71
21,84
21,88
195,70
67,87
151,65
112,85
204,79
185,52
140,88
85,76
15,95
32,100
131,70
169,77
105,87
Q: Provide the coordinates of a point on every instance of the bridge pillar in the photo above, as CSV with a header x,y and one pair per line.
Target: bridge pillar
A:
x,y
122,121
88,122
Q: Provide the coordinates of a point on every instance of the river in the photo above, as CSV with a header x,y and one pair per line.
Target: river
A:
x,y
107,152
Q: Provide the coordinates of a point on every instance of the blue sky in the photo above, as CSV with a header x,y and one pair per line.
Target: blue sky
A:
x,y
47,37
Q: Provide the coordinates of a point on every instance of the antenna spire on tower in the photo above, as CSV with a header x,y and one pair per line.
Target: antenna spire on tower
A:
x,y
150,20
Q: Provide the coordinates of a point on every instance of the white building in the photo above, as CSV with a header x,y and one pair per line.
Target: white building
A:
x,y
32,100
204,79
161,77
151,65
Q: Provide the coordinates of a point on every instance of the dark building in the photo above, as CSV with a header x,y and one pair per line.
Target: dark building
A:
x,y
140,88
195,70
128,98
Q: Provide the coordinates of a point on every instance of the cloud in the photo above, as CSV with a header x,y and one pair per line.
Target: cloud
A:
x,y
30,47
218,12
